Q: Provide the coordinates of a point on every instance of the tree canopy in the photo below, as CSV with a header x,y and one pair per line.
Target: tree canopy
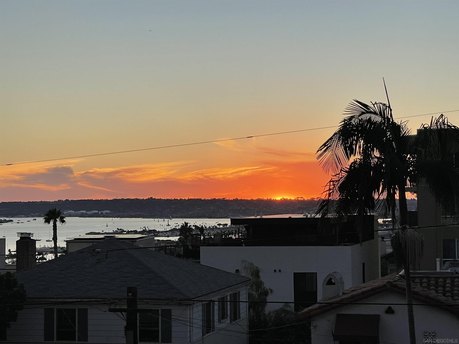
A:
x,y
12,298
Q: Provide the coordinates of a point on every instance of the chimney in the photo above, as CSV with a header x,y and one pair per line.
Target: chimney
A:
x,y
25,252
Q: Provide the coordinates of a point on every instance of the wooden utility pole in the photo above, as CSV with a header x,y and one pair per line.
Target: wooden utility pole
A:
x,y
131,316
130,330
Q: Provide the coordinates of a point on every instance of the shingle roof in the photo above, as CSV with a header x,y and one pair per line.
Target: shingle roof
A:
x,y
424,292
106,269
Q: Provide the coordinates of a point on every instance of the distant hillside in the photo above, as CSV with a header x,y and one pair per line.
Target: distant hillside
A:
x,y
160,208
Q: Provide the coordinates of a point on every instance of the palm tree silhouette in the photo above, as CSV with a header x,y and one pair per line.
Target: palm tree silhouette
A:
x,y
53,216
370,157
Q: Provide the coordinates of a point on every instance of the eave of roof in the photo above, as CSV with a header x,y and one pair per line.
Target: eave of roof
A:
x,y
393,283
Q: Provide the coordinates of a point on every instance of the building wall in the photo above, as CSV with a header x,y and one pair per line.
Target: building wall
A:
x,y
225,332
103,327
393,328
278,263
76,244
107,327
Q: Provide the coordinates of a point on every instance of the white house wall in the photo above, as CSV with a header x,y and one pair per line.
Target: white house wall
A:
x,y
368,253
107,327
278,263
225,332
393,328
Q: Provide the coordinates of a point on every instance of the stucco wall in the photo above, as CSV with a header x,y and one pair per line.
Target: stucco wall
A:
x,y
278,263
393,328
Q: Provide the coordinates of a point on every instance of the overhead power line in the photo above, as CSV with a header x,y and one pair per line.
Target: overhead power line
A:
x,y
196,143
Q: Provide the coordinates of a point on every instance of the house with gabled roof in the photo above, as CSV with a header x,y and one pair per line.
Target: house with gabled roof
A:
x,y
376,312
72,298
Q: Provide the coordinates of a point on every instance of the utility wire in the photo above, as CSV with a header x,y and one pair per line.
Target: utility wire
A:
x,y
171,302
196,143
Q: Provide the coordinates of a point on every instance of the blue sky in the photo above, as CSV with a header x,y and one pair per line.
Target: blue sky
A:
x,y
81,77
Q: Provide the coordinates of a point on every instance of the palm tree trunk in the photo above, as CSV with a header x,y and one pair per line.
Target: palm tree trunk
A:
x,y
403,208
402,204
55,237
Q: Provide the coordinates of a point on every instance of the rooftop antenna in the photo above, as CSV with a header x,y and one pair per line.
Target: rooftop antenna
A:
x,y
387,96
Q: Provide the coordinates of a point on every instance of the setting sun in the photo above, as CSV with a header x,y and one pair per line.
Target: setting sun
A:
x,y
283,197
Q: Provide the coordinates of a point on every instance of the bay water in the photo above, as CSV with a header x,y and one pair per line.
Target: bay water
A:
x,y
77,226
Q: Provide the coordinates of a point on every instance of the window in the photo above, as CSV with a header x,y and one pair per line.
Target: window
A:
x,y
222,308
66,324
208,324
149,326
155,326
450,249
235,307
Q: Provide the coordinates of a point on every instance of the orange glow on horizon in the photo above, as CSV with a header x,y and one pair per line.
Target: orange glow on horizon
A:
x,y
283,197
267,180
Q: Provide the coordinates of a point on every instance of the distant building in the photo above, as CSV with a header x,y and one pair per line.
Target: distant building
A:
x,y
87,240
376,312
70,299
302,259
439,225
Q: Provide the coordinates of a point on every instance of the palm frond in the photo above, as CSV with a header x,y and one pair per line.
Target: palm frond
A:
x,y
362,131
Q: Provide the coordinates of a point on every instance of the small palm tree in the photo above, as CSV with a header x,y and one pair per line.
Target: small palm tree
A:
x,y
53,216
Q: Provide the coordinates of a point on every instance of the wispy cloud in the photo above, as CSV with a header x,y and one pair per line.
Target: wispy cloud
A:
x,y
136,173
287,154
179,179
225,173
233,145
255,146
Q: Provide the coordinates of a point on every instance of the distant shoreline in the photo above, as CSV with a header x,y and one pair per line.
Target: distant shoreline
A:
x,y
160,208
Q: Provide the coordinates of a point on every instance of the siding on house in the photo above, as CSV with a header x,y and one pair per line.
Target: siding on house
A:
x,y
103,326
108,327
226,332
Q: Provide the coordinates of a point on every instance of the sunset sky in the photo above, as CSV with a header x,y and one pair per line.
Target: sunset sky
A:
x,y
87,77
